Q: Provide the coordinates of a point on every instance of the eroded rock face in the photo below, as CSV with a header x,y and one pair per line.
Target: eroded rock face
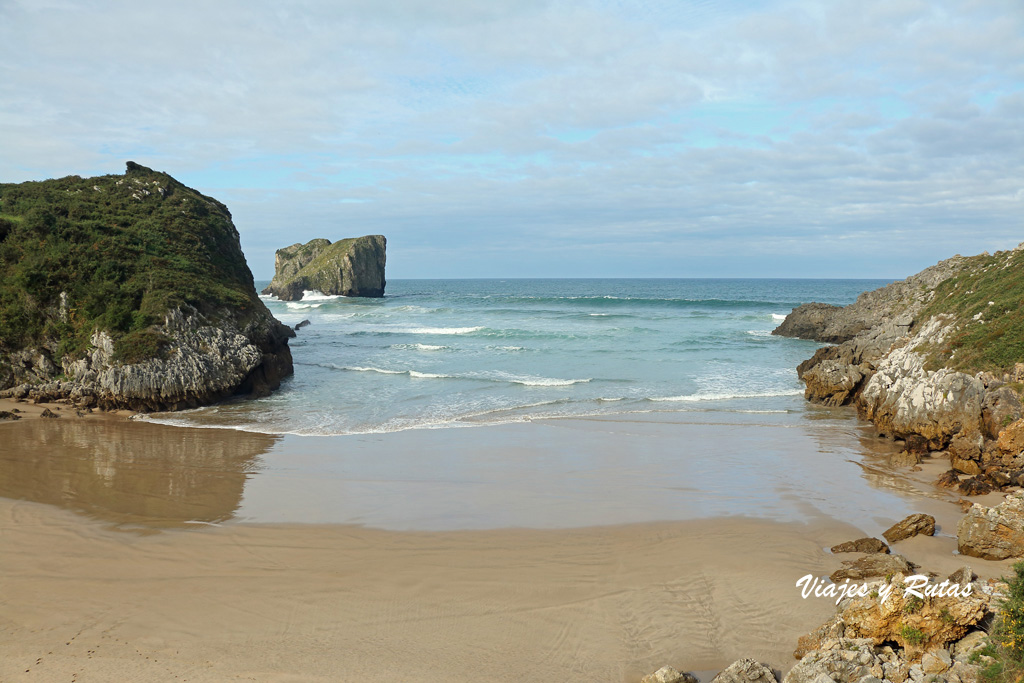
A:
x,y
1011,438
349,267
1001,408
917,624
903,399
199,333
896,304
832,382
994,533
204,363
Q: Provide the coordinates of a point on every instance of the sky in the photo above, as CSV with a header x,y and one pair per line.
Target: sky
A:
x,y
547,138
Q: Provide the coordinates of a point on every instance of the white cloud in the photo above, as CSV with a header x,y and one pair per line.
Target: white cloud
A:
x,y
704,133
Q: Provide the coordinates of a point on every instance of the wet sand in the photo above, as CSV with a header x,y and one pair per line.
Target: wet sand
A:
x,y
130,552
327,602
29,410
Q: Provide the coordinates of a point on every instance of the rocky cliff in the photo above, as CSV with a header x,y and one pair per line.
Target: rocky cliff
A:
x,y
934,360
129,291
349,267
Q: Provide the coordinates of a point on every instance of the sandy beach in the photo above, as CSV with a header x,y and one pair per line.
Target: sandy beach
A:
x,y
131,553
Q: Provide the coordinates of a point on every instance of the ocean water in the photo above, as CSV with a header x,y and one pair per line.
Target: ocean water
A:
x,y
462,353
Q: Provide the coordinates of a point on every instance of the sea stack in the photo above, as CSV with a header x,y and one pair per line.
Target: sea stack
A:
x,y
348,267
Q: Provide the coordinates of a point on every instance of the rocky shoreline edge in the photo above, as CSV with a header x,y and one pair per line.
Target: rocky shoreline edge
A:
x,y
934,363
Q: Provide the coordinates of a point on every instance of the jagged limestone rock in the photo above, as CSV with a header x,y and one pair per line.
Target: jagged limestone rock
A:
x,y
832,382
903,398
667,674
745,671
897,303
349,267
994,533
840,661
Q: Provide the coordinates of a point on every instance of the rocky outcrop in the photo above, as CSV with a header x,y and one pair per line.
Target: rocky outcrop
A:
x,y
745,671
159,314
993,533
667,674
870,566
915,359
917,624
911,526
861,545
904,398
897,303
349,267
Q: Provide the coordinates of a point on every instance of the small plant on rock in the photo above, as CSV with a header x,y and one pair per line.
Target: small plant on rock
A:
x,y
912,635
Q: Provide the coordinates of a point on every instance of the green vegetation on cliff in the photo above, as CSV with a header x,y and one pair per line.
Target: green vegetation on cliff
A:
x,y
986,301
113,253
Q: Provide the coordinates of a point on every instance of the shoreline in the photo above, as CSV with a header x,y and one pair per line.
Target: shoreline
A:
x,y
211,600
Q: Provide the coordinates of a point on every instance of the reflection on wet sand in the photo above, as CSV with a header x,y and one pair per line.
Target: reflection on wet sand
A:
x,y
838,429
129,473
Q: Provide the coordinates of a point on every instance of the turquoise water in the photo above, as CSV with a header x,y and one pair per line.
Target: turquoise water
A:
x,y
457,353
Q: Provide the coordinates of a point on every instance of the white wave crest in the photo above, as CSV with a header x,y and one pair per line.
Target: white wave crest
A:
x,y
759,333
428,375
313,295
528,381
725,396
434,330
778,316
357,368
420,347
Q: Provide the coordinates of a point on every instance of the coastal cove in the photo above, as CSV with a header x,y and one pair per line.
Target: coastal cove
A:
x,y
457,353
624,480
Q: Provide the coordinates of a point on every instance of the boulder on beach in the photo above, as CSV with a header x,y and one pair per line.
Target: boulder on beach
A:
x,y
861,545
667,674
871,566
993,533
745,671
912,525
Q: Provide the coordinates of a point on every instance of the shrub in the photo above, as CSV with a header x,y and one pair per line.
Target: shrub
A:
x,y
1006,640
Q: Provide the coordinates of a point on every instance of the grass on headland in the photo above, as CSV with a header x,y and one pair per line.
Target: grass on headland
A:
x,y
986,300
124,249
